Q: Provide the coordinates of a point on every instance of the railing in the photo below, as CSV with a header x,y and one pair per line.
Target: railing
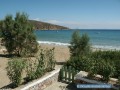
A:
x,y
67,74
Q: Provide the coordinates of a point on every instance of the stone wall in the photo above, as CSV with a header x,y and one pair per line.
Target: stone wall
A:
x,y
43,82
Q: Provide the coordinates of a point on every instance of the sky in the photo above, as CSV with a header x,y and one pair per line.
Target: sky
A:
x,y
82,14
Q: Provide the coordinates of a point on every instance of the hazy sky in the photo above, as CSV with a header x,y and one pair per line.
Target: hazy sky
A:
x,y
72,13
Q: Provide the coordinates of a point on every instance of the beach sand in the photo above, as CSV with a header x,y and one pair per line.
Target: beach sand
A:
x,y
61,52
61,55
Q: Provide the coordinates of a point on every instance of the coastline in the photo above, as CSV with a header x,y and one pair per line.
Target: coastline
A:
x,y
62,53
100,39
93,47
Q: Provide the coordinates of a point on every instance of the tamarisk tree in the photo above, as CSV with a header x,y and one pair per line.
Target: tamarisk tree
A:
x,y
79,45
17,35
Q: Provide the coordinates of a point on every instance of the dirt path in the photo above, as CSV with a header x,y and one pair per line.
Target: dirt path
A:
x,y
4,80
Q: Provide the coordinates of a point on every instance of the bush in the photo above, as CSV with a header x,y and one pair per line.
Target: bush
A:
x,y
81,63
104,68
50,65
43,63
14,70
31,67
109,56
93,66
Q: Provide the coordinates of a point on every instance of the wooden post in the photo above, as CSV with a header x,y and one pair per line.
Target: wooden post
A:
x,y
65,73
73,74
69,74
61,74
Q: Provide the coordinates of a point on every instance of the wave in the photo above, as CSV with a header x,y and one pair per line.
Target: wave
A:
x,y
53,43
106,47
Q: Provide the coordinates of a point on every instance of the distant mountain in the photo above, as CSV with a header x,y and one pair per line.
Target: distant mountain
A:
x,y
38,25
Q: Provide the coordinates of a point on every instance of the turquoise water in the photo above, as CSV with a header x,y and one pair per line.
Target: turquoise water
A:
x,y
109,39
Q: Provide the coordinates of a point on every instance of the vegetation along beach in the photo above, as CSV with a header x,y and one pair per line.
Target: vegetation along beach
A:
x,y
60,45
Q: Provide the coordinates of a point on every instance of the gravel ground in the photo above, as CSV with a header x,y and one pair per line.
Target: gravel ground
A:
x,y
61,86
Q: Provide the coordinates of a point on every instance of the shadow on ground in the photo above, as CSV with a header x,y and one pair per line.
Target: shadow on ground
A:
x,y
71,86
9,86
6,55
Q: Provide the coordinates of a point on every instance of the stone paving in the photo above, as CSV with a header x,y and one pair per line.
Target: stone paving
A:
x,y
61,86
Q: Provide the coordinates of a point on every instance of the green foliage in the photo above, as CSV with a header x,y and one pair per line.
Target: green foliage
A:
x,y
80,52
18,35
81,63
105,63
34,67
93,66
31,69
119,80
0,28
104,68
50,65
14,70
109,56
79,45
43,63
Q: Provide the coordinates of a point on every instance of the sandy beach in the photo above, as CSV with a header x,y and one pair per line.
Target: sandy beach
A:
x,y
61,55
61,52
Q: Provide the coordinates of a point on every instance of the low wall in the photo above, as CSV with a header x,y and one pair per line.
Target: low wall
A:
x,y
42,83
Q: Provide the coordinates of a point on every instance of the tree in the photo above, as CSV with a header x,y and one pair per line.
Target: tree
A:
x,y
18,35
0,28
79,45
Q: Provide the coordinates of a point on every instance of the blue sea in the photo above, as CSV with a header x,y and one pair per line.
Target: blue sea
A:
x,y
99,38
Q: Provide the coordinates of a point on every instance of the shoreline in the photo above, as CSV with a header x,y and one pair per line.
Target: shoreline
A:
x,y
93,47
62,53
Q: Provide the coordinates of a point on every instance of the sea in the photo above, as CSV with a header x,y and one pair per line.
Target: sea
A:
x,y
99,38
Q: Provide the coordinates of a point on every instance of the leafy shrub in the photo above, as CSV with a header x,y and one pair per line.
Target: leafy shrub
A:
x,y
14,70
109,56
104,68
31,69
81,63
43,63
93,66
50,65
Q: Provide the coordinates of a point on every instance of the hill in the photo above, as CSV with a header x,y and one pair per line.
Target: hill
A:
x,y
38,25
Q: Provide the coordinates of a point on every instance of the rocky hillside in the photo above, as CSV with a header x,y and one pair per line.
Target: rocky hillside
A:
x,y
38,25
